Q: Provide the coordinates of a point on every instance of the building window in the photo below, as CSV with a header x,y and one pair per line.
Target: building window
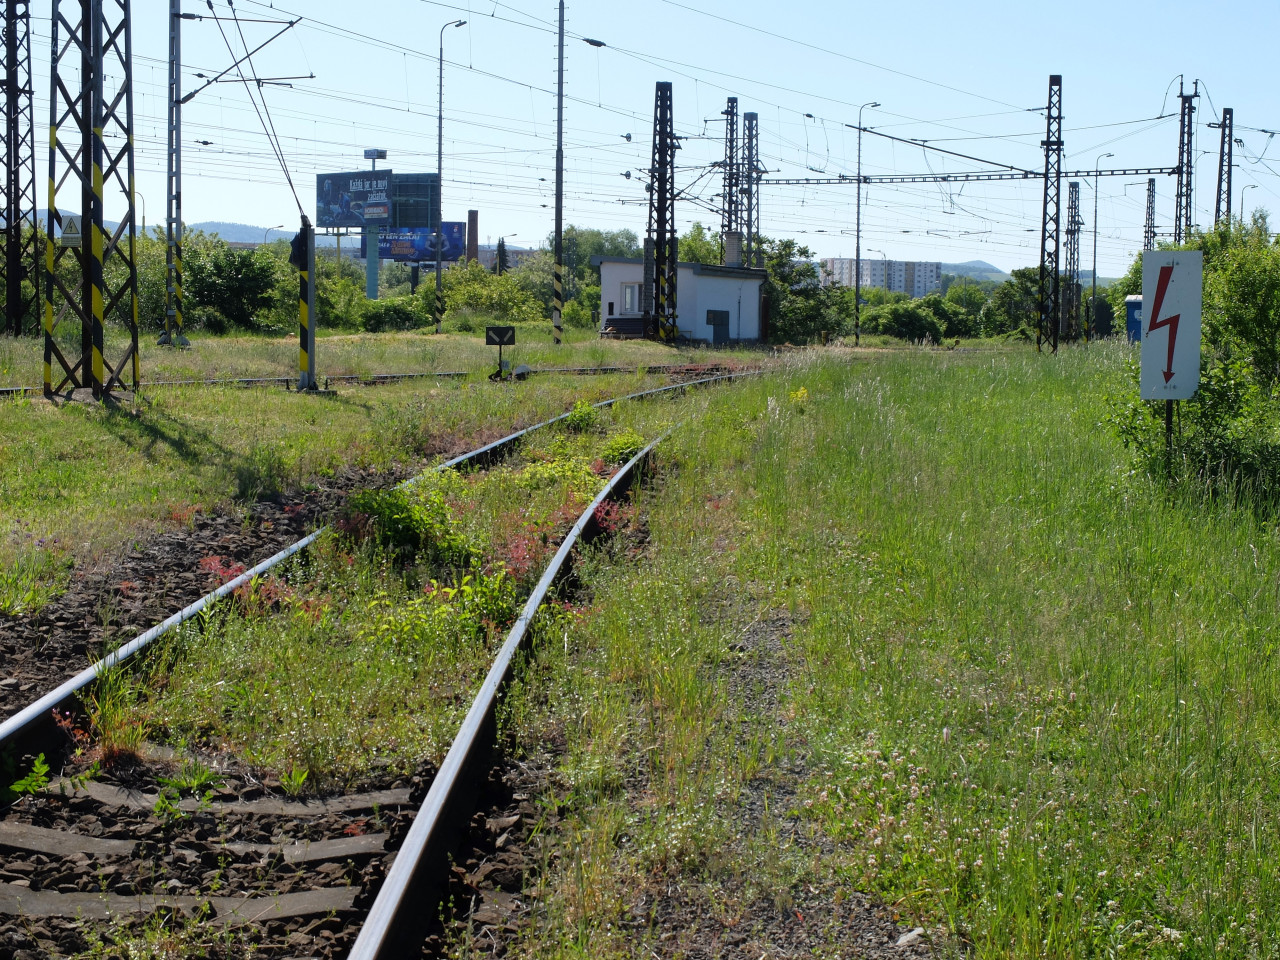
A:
x,y
630,298
611,308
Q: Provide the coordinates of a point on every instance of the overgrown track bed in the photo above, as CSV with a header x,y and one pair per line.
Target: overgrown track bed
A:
x,y
150,583
114,603
676,372
198,843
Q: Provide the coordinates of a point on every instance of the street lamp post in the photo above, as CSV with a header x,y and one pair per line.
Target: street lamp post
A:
x,y
857,243
1093,296
138,193
884,268
268,230
1247,186
440,172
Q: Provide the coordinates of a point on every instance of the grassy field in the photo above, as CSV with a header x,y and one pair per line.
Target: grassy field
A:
x,y
913,627
347,354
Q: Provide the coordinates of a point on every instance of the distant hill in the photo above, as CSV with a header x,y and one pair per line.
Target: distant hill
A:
x,y
248,233
977,269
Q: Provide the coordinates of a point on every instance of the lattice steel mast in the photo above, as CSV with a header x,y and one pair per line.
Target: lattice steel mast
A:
x,y
1071,302
660,253
1149,225
750,180
1222,206
19,168
1050,309
173,317
1186,165
90,153
731,205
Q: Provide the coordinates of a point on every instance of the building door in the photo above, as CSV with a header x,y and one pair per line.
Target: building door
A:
x,y
718,320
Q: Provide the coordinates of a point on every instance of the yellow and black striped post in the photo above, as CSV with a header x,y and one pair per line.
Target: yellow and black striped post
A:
x,y
179,338
49,242
303,256
94,267
439,311
557,304
304,329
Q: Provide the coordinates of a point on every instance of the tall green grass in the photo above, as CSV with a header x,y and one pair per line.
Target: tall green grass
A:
x,y
1037,697
1044,692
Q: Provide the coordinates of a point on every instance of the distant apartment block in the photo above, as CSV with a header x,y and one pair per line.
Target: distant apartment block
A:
x,y
916,278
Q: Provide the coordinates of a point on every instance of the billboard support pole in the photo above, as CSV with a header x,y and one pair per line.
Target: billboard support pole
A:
x,y
371,262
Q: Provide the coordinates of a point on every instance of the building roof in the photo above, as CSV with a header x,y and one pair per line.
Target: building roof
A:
x,y
703,269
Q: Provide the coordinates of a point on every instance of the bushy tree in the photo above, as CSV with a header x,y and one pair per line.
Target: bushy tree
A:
x,y
699,245
586,243
535,277
969,297
470,288
907,321
800,307
1015,305
239,284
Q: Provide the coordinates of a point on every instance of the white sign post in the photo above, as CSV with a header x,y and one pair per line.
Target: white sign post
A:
x,y
1172,282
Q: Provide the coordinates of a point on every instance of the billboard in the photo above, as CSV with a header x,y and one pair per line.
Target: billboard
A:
x,y
353,199
419,244
415,200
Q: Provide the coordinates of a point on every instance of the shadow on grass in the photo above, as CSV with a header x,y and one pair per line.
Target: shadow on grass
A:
x,y
259,473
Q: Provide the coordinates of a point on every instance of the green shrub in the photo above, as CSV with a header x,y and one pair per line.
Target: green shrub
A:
x,y
622,446
582,417
415,524
208,319
1227,436
906,321
499,299
395,313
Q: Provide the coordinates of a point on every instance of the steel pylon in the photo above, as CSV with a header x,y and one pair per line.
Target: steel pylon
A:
x,y
1070,326
749,178
1050,295
1222,205
19,186
659,296
731,202
1182,219
90,158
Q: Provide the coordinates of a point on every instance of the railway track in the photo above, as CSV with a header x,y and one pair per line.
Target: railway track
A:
x,y
677,371
233,861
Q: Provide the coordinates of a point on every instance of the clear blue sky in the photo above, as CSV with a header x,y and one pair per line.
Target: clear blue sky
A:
x,y
967,77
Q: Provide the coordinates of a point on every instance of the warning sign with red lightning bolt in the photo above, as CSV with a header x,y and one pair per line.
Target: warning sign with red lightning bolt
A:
x,y
1162,287
1172,292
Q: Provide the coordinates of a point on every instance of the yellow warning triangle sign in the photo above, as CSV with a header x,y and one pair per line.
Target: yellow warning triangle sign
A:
x,y
71,234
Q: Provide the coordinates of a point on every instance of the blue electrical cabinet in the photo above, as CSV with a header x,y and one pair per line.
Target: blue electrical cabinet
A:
x,y
1133,318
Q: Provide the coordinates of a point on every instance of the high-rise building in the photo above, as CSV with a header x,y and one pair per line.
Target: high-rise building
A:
x,y
916,278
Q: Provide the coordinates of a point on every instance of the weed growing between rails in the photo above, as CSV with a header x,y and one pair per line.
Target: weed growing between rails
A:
x,y
360,658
